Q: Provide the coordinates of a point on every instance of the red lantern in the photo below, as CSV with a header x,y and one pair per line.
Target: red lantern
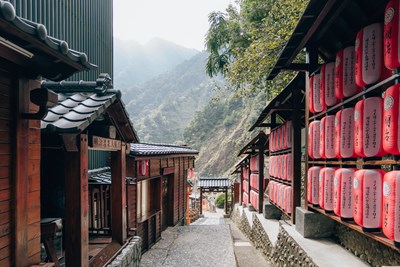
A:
x,y
369,67
328,97
391,133
343,193
391,35
391,205
345,84
143,167
312,185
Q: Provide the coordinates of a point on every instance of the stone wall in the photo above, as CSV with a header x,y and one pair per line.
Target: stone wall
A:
x,y
130,255
286,251
367,249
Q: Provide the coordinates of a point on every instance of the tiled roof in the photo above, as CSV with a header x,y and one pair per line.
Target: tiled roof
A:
x,y
32,38
81,103
149,149
102,176
214,182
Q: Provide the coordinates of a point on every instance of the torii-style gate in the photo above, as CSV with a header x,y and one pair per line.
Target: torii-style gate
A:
x,y
214,185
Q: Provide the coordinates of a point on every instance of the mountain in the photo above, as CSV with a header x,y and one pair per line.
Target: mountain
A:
x,y
135,63
162,107
220,130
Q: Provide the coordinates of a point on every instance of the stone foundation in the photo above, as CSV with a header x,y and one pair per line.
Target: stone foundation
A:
x,y
285,252
130,256
373,252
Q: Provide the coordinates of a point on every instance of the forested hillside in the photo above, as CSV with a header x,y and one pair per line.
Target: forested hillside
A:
x,y
162,107
220,130
135,63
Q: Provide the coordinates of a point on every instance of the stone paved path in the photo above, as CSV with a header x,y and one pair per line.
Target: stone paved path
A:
x,y
207,242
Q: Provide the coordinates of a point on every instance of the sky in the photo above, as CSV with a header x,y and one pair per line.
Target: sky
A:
x,y
184,22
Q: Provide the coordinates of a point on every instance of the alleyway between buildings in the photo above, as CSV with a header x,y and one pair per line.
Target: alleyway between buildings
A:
x,y
210,241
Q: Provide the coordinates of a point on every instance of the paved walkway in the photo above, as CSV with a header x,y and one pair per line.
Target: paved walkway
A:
x,y
209,241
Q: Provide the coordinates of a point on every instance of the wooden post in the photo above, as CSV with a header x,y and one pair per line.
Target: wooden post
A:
x,y
261,148
118,195
312,60
21,179
76,205
201,200
241,186
226,200
248,181
296,154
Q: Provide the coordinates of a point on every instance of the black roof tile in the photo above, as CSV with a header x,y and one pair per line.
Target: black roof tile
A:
x,y
77,110
214,182
151,149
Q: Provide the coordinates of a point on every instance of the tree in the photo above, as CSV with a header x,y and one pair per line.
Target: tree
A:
x,y
244,44
220,201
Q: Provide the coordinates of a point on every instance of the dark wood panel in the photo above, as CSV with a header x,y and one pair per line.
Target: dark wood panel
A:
x,y
5,194
4,253
33,199
5,241
34,230
5,101
5,206
34,136
5,229
5,137
34,247
34,215
34,167
5,183
33,151
34,183
5,216
5,262
5,114
5,160
4,172
5,149
155,167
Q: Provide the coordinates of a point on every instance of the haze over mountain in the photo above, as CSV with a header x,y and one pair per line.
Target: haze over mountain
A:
x,y
135,63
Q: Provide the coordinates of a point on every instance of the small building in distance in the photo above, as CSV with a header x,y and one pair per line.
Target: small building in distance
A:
x,y
157,193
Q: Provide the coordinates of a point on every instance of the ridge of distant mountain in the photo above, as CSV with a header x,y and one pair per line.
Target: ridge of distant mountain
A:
x,y
135,63
162,107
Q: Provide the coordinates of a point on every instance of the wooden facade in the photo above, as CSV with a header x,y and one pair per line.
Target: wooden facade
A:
x,y
91,202
313,34
157,191
23,57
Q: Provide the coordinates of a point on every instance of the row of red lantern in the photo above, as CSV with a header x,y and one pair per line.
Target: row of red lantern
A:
x,y
281,167
281,137
371,197
281,195
370,129
374,54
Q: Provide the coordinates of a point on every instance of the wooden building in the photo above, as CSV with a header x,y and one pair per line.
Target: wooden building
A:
x,y
252,168
157,192
325,30
26,54
84,144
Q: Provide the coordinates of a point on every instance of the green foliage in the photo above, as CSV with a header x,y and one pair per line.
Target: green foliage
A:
x,y
220,201
220,130
244,44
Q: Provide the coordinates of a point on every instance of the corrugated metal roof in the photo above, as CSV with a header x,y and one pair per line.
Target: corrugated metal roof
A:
x,y
38,39
214,182
151,149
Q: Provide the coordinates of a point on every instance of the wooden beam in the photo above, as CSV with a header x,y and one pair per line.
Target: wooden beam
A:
x,y
101,143
261,149
118,197
201,200
76,205
296,157
21,178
